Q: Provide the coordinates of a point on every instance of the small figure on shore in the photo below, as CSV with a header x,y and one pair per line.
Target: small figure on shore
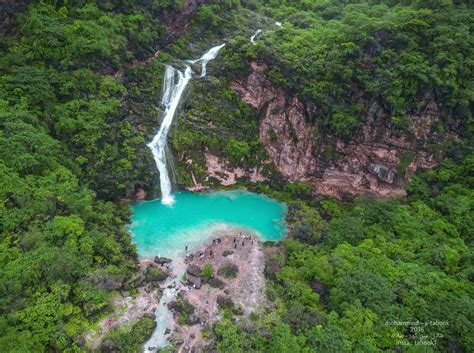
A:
x,y
252,242
243,243
235,246
234,240
186,249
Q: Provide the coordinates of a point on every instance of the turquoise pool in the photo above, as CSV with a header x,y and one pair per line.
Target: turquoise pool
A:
x,y
163,230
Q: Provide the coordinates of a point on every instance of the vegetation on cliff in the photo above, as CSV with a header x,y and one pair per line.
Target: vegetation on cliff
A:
x,y
347,58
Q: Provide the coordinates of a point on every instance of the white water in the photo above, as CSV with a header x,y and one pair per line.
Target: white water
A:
x,y
208,56
252,38
174,84
164,317
173,90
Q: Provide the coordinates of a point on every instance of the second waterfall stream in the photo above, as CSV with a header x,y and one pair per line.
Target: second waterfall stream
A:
x,y
174,85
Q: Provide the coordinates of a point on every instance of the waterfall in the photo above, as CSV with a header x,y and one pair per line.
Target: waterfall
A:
x,y
208,56
173,90
174,84
252,38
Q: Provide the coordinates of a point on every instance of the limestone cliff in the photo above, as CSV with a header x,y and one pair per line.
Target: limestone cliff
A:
x,y
377,160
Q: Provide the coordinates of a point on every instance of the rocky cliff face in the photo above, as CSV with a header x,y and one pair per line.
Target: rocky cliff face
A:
x,y
375,161
176,22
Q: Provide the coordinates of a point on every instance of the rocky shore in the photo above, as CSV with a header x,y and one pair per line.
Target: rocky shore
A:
x,y
188,294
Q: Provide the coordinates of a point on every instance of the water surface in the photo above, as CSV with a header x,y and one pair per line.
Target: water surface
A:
x,y
166,230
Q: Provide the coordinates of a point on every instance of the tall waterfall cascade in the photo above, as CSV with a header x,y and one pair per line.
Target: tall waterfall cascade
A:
x,y
174,85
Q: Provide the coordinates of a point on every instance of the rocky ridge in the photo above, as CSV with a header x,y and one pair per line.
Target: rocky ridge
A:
x,y
375,161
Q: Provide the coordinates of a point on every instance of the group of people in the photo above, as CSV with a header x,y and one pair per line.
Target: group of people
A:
x,y
216,241
245,237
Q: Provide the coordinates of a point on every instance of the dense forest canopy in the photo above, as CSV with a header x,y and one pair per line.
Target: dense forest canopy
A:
x,y
65,152
71,147
344,57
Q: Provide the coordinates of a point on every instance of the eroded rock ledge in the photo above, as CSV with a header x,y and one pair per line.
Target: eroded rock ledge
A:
x,y
375,161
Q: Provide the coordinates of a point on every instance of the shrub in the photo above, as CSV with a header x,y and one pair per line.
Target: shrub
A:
x,y
207,270
131,338
154,274
183,308
216,283
228,270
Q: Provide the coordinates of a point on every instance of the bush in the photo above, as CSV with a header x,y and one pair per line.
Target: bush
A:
x,y
131,338
237,150
225,302
184,309
207,270
228,270
268,243
154,274
216,283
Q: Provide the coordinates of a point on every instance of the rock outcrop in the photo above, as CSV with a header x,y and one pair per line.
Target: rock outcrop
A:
x,y
177,21
375,161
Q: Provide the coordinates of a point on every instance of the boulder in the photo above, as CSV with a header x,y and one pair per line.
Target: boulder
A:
x,y
193,319
81,341
139,280
109,346
162,260
225,302
265,333
382,172
194,280
193,270
151,316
